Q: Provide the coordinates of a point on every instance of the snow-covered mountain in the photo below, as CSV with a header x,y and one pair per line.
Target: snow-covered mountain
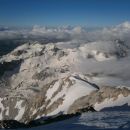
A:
x,y
39,81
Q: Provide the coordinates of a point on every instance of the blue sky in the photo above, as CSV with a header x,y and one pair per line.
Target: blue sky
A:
x,y
64,12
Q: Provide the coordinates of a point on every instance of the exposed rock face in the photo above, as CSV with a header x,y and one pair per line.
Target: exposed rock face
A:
x,y
40,81
47,72
98,97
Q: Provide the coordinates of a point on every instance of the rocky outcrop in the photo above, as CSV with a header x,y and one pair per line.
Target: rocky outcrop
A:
x,y
98,97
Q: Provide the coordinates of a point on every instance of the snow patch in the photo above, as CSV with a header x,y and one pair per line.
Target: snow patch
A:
x,y
1,108
78,89
52,90
21,110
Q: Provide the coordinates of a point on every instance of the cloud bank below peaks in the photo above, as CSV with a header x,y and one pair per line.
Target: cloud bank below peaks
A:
x,y
68,33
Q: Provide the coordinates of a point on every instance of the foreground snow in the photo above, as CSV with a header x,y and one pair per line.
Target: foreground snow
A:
x,y
97,120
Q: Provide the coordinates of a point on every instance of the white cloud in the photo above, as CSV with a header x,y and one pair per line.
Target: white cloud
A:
x,y
69,33
125,25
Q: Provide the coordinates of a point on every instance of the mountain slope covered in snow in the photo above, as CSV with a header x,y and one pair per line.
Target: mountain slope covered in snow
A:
x,y
44,73
39,81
